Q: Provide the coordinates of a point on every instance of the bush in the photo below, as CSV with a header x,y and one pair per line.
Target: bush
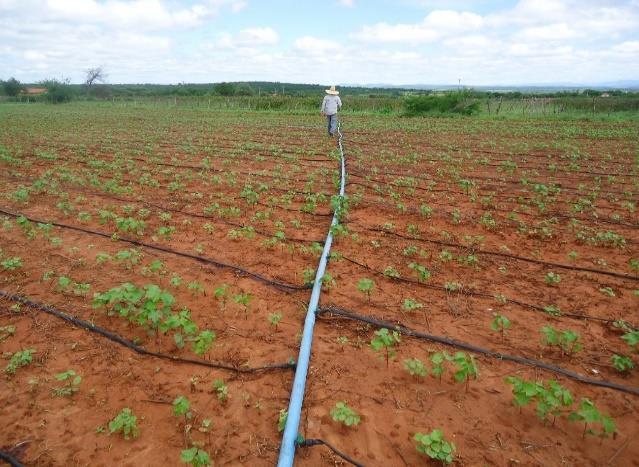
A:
x,y
12,87
460,102
58,91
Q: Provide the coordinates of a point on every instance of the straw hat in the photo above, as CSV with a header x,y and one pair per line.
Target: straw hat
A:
x,y
332,91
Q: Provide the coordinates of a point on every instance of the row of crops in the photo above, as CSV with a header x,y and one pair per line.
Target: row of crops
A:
x,y
181,246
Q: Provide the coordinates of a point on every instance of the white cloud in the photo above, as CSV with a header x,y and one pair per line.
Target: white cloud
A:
x,y
436,25
347,3
315,46
550,32
173,41
257,36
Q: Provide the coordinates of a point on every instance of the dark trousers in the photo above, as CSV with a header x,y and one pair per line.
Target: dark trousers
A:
x,y
332,124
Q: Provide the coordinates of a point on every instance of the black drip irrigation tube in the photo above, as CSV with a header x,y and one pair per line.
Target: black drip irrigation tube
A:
x,y
202,259
320,442
620,275
136,348
474,348
475,293
9,459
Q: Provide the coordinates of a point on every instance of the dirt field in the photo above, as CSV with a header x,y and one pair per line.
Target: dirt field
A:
x,y
459,224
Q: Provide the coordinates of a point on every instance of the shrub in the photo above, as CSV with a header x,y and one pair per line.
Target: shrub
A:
x,y
460,102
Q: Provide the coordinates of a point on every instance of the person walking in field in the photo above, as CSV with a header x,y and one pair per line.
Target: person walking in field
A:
x,y
331,104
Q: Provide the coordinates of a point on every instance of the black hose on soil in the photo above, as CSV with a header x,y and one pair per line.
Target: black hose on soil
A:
x,y
474,293
9,459
201,259
320,442
136,348
568,267
473,348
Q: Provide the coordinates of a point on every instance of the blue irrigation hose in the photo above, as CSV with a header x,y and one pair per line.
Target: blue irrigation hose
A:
x,y
289,439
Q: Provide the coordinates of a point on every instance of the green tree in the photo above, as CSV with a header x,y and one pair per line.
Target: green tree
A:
x,y
12,87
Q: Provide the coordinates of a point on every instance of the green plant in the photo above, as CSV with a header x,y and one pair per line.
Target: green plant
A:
x,y
622,363
19,359
202,342
148,306
274,319
435,446
499,324
385,340
220,293
552,278
11,264
423,274
415,367
631,338
567,340
221,389
607,291
438,359
343,413
181,406
466,367
411,305
391,272
195,456
243,299
71,386
589,415
281,420
366,286
7,331
126,423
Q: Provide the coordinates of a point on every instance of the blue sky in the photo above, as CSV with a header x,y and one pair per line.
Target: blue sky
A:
x,y
333,41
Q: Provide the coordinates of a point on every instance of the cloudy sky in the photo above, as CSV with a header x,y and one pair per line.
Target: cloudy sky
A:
x,y
328,41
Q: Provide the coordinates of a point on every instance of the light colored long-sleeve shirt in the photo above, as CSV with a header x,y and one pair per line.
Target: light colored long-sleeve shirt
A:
x,y
331,104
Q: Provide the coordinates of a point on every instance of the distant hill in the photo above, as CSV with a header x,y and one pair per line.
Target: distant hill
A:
x,y
631,85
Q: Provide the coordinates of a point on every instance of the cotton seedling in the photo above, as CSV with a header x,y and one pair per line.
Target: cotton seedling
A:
x,y
202,342
423,274
567,340
195,288
552,278
385,340
274,319
196,457
344,414
19,359
366,287
411,305
622,363
499,324
415,367
243,299
435,446
7,331
71,386
220,293
632,339
126,423
281,420
221,389
11,264
590,415
466,367
551,400
438,359
181,406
